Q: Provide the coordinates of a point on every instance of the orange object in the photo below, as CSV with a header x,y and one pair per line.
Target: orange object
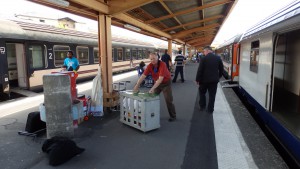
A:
x,y
73,77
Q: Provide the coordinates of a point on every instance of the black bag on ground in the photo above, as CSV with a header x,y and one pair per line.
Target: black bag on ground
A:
x,y
34,122
60,150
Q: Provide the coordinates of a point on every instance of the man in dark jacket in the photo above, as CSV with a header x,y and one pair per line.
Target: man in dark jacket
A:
x,y
209,72
167,59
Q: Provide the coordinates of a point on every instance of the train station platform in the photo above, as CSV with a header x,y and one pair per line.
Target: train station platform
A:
x,y
227,139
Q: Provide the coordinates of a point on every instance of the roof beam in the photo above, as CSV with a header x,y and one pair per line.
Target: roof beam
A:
x,y
144,26
93,4
196,22
201,45
203,41
199,39
184,33
139,11
221,2
201,36
120,6
170,12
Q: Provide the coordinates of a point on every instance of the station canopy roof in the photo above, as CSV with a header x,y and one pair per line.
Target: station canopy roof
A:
x,y
191,22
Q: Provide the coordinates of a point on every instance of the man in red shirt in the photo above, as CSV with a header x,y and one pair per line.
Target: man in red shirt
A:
x,y
162,77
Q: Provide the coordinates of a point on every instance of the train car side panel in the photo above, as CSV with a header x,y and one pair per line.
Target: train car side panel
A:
x,y
256,65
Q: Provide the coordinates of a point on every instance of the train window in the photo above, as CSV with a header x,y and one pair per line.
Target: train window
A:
x,y
127,55
96,55
82,54
45,55
120,54
254,53
139,54
60,53
143,54
134,54
36,56
11,56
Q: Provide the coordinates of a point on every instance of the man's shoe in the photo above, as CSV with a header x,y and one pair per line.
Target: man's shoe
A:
x,y
174,81
172,119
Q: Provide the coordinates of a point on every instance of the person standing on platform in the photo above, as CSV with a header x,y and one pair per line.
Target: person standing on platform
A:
x,y
179,62
167,59
209,72
162,78
71,63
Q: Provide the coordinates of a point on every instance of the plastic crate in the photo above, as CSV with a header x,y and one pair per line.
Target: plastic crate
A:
x,y
141,111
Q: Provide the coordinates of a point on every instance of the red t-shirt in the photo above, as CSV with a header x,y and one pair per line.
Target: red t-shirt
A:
x,y
162,71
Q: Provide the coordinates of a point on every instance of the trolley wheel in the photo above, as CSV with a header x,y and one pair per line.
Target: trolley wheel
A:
x,y
86,118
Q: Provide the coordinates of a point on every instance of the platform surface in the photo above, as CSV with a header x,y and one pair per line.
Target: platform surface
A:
x,y
227,139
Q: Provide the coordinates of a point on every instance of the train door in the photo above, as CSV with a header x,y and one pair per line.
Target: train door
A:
x,y
16,65
235,62
286,73
21,66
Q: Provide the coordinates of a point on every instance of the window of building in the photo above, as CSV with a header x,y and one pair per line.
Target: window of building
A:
x,y
36,56
82,54
60,53
96,55
254,56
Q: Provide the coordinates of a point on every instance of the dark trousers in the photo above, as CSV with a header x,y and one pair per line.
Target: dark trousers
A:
x,y
212,90
179,69
167,91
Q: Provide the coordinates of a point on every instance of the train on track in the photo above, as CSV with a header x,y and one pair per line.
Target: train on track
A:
x,y
29,50
266,60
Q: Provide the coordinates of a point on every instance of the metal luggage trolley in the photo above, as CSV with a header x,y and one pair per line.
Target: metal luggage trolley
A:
x,y
118,87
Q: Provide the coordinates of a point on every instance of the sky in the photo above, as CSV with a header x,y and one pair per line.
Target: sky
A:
x,y
245,14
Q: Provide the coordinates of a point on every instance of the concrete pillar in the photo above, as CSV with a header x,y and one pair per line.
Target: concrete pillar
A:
x,y
184,50
58,105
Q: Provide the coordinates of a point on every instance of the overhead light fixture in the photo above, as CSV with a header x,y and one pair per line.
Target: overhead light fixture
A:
x,y
132,27
59,2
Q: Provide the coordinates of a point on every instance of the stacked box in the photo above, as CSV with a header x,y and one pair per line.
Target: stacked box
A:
x,y
141,111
